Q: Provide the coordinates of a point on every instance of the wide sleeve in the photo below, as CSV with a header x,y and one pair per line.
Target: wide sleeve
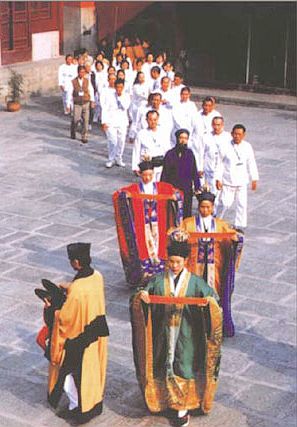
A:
x,y
204,290
195,176
64,327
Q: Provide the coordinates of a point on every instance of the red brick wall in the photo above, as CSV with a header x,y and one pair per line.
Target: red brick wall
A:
x,y
113,15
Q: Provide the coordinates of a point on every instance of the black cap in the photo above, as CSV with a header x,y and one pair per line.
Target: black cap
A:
x,y
180,131
176,248
79,251
146,165
206,195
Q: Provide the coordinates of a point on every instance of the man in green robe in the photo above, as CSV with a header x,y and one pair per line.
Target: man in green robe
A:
x,y
177,333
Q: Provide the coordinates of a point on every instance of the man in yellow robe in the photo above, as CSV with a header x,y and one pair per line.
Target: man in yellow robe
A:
x,y
78,349
215,258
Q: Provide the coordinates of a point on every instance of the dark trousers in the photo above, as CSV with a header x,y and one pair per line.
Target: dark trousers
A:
x,y
188,198
80,112
91,115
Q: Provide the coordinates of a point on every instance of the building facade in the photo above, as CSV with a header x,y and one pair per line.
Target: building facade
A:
x,y
226,43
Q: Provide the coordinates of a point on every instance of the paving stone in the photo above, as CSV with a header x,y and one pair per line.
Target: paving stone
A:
x,y
268,401
264,290
234,361
13,238
273,310
279,376
27,274
60,231
243,321
262,269
55,191
262,350
279,331
229,386
23,223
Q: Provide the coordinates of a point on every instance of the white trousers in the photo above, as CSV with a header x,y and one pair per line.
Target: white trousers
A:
x,y
116,138
210,180
71,392
227,197
64,99
98,110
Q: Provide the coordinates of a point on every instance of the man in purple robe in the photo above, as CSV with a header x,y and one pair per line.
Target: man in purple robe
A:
x,y
180,170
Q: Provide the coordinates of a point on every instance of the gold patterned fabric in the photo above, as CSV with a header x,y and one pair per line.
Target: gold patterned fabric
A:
x,y
173,391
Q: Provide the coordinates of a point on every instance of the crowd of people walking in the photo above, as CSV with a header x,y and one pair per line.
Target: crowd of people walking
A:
x,y
184,264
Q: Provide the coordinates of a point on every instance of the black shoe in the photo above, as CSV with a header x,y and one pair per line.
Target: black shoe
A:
x,y
73,136
182,421
42,294
197,412
84,141
66,413
239,230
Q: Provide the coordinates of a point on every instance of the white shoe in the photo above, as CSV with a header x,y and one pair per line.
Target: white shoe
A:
x,y
109,164
90,127
120,163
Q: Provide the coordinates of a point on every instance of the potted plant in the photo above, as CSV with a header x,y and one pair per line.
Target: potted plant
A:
x,y
15,84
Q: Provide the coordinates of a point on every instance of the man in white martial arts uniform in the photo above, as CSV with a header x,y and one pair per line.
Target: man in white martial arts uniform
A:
x,y
205,116
184,115
147,66
168,71
177,87
115,123
211,143
67,72
150,142
155,79
236,167
164,122
106,92
166,92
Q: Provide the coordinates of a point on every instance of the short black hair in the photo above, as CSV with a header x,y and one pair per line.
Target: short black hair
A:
x,y
99,62
125,61
151,112
208,99
68,55
163,78
156,68
185,89
120,70
81,67
217,118
119,81
178,74
156,94
239,126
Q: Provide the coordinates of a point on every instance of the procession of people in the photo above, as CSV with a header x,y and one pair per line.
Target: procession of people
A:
x,y
179,264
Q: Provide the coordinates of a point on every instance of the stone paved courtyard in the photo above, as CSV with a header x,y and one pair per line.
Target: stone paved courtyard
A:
x,y
55,191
